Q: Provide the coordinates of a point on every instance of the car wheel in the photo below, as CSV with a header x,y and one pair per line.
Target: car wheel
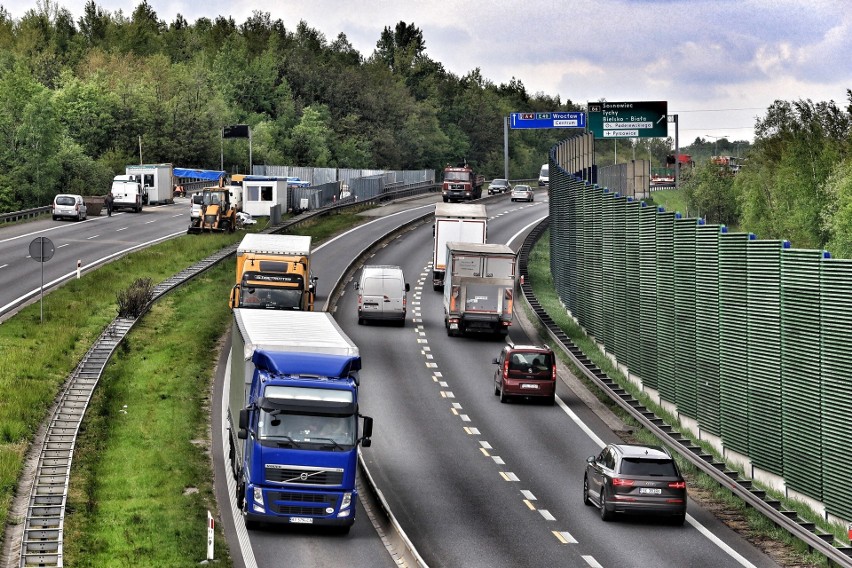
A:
x,y
496,389
503,398
551,400
586,500
55,218
606,515
360,321
679,519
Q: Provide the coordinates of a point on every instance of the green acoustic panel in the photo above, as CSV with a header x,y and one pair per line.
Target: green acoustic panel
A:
x,y
801,396
607,304
764,354
707,326
648,295
594,247
835,364
631,307
665,307
619,263
733,344
683,259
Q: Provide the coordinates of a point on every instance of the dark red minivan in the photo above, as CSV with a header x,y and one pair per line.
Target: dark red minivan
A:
x,y
527,371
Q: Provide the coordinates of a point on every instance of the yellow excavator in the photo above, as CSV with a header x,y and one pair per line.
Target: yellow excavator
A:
x,y
217,213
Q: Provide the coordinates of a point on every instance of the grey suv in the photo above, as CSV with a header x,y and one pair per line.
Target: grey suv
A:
x,y
499,186
635,479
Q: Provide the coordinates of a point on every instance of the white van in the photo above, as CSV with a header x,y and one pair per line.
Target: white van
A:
x,y
382,294
544,175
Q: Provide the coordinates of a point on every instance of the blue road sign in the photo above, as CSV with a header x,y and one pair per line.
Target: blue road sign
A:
x,y
548,120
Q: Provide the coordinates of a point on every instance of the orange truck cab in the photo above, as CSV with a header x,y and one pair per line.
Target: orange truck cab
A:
x,y
274,272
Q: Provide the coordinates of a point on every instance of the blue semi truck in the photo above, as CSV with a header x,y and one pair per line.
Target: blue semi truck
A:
x,y
294,420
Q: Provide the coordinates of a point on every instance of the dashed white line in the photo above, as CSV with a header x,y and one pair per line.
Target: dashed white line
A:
x,y
565,537
92,237
528,494
65,245
547,515
485,445
590,560
509,476
498,460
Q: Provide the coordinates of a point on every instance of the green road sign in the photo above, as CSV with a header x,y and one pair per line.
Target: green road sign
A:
x,y
645,119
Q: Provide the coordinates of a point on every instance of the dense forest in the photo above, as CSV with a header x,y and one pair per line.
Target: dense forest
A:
x,y
79,100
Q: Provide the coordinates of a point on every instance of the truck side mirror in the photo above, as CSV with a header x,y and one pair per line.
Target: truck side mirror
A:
x,y
368,428
242,433
355,284
235,297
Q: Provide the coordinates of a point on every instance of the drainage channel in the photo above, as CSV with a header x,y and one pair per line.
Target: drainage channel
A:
x,y
836,551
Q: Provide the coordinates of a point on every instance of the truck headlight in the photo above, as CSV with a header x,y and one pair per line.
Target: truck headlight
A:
x,y
258,496
346,501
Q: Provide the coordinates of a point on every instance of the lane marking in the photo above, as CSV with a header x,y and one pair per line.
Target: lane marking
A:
x,y
92,237
528,495
547,515
718,542
485,452
509,476
471,431
529,505
498,460
485,445
564,537
590,560
65,245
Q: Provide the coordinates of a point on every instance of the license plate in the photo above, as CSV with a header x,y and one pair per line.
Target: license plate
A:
x,y
529,386
302,520
454,326
650,491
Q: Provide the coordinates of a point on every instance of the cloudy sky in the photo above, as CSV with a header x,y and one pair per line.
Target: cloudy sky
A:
x,y
718,63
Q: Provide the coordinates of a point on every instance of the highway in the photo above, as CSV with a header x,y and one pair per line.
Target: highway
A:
x,y
472,482
93,242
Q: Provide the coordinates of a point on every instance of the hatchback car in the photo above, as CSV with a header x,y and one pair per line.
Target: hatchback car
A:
x,y
66,205
499,186
522,193
635,479
525,371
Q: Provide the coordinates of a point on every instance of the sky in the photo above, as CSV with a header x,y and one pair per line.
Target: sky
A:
x,y
719,64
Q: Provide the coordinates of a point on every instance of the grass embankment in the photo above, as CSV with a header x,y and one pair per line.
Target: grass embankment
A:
x,y
672,199
783,548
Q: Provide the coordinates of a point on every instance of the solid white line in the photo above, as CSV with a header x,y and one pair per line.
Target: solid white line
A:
x,y
518,234
580,423
718,542
242,533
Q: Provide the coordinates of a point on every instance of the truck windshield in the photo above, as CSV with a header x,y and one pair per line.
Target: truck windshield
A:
x,y
304,429
269,297
456,176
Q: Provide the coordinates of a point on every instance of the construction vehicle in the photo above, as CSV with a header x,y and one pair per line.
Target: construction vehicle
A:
x,y
217,213
274,271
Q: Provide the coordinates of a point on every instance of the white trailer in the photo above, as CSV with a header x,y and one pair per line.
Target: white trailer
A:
x,y
456,222
157,181
480,288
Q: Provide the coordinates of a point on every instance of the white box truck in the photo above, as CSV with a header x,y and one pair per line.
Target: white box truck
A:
x,y
157,180
479,288
458,222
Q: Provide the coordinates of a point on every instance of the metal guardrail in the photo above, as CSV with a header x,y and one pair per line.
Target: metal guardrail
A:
x,y
24,214
837,552
42,535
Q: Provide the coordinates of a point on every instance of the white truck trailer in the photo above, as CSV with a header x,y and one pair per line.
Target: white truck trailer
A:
x,y
479,289
455,222
157,180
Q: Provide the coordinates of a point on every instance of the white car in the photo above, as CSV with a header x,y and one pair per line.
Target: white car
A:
x,y
522,193
69,205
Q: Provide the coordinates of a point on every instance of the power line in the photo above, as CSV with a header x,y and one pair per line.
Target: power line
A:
x,y
719,109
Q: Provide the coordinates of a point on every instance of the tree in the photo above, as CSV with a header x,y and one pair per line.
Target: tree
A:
x,y
710,194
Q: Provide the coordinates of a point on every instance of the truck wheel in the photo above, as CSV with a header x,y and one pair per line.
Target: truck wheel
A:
x,y
241,495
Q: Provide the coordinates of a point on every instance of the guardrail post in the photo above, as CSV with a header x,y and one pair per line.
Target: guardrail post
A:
x,y
79,264
210,524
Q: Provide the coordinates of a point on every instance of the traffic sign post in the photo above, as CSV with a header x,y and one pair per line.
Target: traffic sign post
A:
x,y
519,120
628,119
41,250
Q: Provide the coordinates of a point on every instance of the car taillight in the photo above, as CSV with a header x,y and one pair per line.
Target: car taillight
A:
x,y
359,299
506,368
553,373
618,482
677,485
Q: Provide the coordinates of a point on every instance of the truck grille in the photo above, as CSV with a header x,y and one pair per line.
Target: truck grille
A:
x,y
297,475
301,503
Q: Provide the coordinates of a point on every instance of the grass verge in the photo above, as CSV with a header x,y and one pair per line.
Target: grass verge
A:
x,y
142,479
752,525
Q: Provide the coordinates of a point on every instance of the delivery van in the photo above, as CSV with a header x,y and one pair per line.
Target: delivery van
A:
x,y
544,175
382,294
